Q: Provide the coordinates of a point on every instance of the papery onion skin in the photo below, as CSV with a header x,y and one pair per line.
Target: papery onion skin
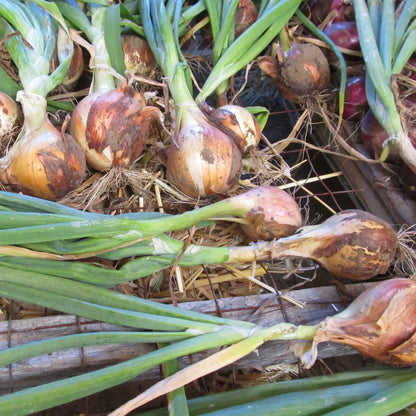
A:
x,y
245,15
238,123
380,323
203,161
299,72
46,164
271,213
352,244
112,127
138,57
10,116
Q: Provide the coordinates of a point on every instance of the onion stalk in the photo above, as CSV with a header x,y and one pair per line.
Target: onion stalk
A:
x,y
387,42
352,244
201,159
43,161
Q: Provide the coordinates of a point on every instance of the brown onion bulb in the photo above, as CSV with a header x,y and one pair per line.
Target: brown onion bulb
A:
x,y
45,163
138,57
202,160
238,123
299,72
380,323
351,244
112,127
245,15
270,212
9,115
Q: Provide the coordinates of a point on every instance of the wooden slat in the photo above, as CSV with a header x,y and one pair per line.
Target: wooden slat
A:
x,y
265,310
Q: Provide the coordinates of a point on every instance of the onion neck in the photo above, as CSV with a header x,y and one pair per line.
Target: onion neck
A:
x,y
34,110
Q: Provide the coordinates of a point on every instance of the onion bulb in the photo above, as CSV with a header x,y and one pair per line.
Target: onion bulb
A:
x,y
238,123
380,323
351,244
43,162
9,115
112,127
138,57
245,15
355,101
202,160
299,72
270,213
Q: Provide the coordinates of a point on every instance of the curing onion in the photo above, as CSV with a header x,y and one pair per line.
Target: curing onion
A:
x,y
112,127
355,99
9,116
138,57
299,72
379,323
43,161
238,123
352,244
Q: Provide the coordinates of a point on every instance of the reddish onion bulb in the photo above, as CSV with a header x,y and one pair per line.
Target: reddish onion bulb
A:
x,y
45,163
380,324
373,136
351,244
344,34
202,160
9,116
238,123
138,57
112,127
299,72
270,212
355,100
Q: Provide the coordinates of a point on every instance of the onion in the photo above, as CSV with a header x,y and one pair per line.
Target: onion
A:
x,y
43,162
355,100
245,15
344,34
299,72
238,123
270,213
380,323
202,160
138,57
112,127
352,244
9,116
77,64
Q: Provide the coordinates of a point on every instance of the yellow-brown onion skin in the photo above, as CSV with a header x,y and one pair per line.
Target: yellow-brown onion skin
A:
x,y
47,165
352,244
203,161
112,127
272,213
239,124
10,115
138,57
380,323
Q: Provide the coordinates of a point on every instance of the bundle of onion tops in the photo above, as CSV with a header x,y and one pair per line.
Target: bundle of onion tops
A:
x,y
205,155
42,240
43,161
